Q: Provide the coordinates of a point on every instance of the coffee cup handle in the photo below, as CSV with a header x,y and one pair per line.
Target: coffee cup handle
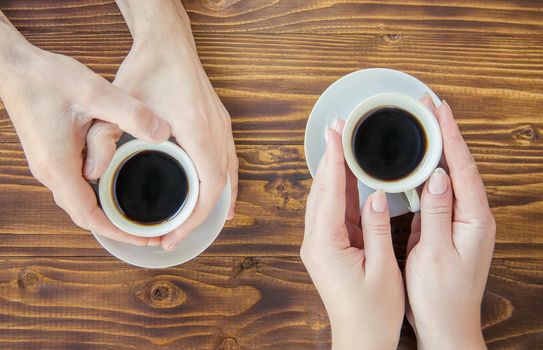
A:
x,y
411,200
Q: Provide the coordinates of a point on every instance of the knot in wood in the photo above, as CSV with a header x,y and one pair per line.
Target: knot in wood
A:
x,y
394,37
27,279
250,263
161,294
317,321
217,5
228,344
527,133
247,264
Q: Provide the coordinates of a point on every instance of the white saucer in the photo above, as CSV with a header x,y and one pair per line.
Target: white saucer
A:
x,y
156,257
341,98
192,246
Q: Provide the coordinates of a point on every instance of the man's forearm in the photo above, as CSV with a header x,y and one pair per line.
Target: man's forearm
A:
x,y
14,52
155,20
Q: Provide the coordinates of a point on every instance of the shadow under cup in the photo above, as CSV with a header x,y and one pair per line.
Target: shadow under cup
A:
x,y
149,190
393,142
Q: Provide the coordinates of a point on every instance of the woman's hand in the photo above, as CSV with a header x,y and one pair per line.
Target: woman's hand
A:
x,y
450,249
52,101
164,72
353,266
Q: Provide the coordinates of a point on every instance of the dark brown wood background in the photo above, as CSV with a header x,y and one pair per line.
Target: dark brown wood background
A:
x,y
269,60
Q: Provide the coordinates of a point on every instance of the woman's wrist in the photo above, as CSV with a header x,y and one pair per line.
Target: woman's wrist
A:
x,y
473,340
351,335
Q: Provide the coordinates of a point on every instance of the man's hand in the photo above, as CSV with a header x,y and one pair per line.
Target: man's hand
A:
x,y
53,100
163,71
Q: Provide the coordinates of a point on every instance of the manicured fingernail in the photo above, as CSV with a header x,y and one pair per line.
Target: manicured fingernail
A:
x,y
171,247
326,134
438,182
89,166
335,125
379,201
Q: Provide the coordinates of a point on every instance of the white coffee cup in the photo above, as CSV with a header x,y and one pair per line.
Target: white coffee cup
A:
x,y
406,185
107,182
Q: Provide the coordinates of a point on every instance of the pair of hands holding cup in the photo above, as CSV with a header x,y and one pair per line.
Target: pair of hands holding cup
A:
x,y
58,106
350,257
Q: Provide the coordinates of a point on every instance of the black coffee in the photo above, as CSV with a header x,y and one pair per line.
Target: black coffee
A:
x,y
150,187
389,143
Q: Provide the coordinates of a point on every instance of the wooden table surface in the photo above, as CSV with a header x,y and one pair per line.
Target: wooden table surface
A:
x,y
269,61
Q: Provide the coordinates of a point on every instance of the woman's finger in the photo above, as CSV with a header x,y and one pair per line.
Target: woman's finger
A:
x,y
352,216
429,102
331,206
436,210
312,199
376,232
469,191
233,168
414,236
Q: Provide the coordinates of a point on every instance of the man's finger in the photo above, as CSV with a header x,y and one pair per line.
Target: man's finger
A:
x,y
77,198
101,146
207,199
107,102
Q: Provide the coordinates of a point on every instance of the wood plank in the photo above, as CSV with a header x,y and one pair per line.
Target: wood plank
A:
x,y
215,303
274,183
300,16
269,83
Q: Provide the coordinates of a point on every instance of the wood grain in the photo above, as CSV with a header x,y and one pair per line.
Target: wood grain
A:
x,y
269,83
274,182
269,60
213,303
299,16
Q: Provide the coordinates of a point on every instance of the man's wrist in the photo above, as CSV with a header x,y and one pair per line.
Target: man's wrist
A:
x,y
15,53
156,22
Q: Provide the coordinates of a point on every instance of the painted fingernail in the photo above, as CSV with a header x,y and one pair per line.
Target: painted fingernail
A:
x,y
379,201
438,182
89,166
